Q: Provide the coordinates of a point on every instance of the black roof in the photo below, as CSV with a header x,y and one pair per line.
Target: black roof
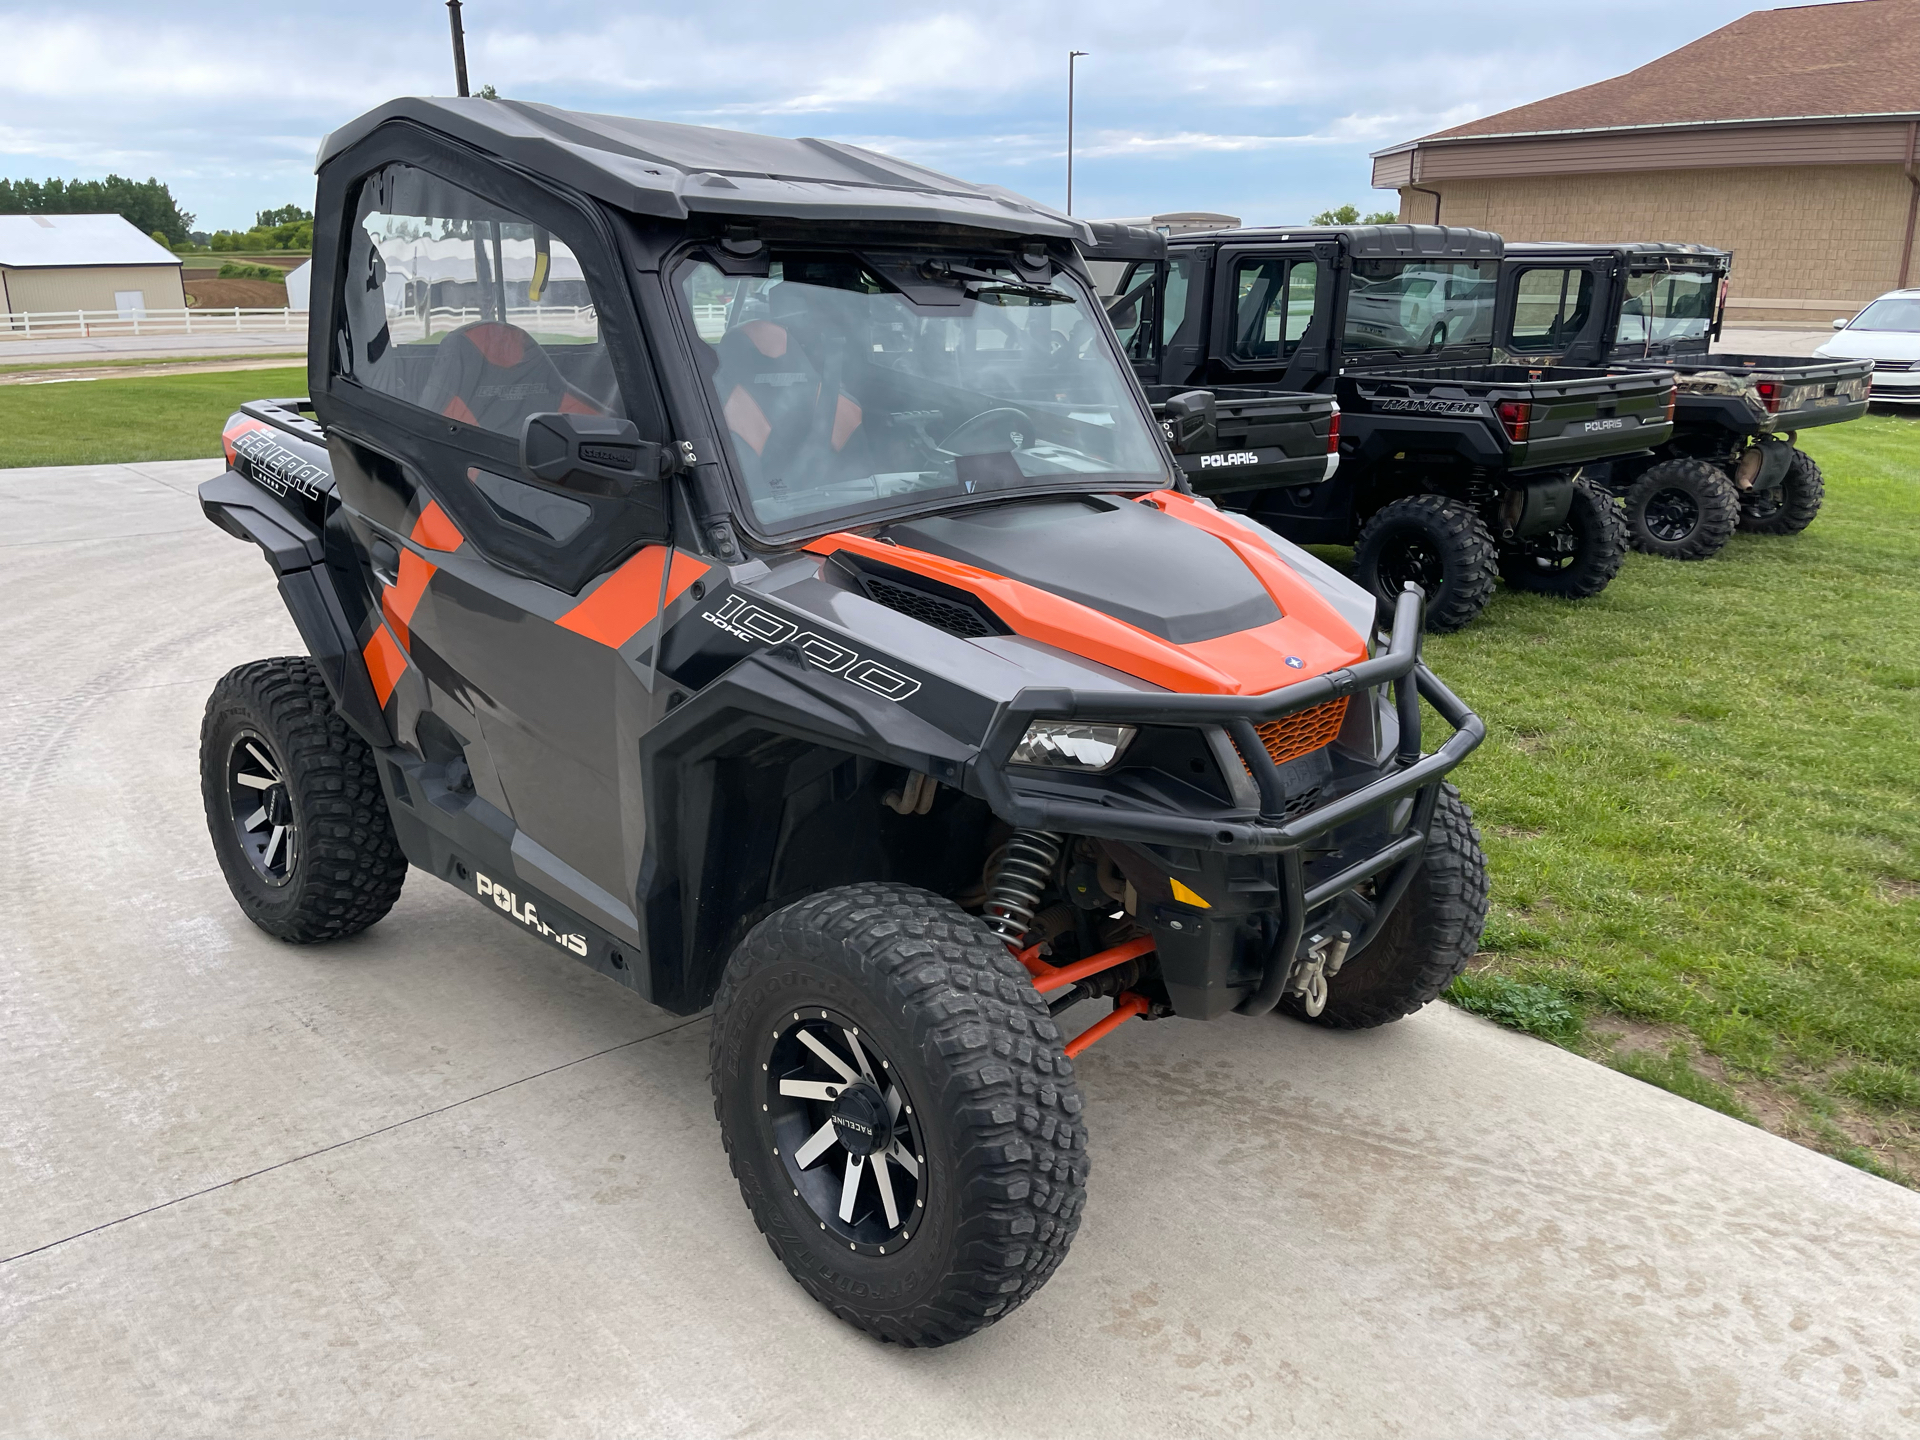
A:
x,y
1628,249
653,167
1370,242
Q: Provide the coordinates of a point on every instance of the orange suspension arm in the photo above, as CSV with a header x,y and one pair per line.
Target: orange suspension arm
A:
x,y
1124,1009
1048,978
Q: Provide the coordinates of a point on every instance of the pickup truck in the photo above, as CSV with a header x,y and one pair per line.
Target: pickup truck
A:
x,y
1731,461
1455,468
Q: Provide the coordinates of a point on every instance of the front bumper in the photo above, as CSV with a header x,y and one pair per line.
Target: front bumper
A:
x,y
1410,775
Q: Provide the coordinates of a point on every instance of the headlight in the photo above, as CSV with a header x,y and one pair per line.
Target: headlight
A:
x,y
1068,745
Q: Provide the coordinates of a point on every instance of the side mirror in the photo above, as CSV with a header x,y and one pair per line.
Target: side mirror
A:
x,y
1840,324
594,454
1190,422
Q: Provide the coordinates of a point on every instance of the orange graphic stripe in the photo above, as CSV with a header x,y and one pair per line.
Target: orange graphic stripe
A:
x,y
386,662
399,600
627,599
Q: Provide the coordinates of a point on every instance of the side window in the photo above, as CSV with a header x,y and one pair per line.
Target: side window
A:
x,y
1173,311
1130,308
1301,281
1551,306
1273,305
469,310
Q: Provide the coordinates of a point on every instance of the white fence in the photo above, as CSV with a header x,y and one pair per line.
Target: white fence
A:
x,y
71,324
547,323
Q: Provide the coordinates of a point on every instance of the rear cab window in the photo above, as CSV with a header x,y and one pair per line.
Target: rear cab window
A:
x,y
1411,307
1667,305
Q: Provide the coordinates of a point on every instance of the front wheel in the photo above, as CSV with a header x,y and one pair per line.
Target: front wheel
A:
x,y
1682,509
1791,508
1428,939
294,805
1436,543
899,1111
1577,560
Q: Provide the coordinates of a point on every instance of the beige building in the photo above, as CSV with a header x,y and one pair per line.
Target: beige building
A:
x,y
1790,137
84,262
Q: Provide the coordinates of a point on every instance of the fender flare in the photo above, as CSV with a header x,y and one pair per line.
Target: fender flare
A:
x,y
297,554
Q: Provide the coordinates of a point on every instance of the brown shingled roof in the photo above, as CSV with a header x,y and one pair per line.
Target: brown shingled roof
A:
x,y
1856,58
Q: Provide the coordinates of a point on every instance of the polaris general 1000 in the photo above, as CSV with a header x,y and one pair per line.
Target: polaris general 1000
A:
x,y
749,566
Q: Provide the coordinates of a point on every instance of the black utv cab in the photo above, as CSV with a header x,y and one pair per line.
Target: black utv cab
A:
x,y
1451,465
1732,461
750,567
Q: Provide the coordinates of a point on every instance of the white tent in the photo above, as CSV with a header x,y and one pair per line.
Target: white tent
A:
x,y
299,285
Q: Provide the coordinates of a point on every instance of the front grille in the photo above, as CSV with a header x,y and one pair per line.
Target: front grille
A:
x,y
951,616
1304,732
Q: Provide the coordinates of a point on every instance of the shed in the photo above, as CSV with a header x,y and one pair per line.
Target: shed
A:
x,y
84,262
1790,137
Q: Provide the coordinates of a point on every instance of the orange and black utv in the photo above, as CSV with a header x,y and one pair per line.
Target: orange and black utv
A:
x,y
750,567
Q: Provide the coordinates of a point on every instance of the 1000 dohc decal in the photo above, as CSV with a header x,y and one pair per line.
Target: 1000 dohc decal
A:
x,y
744,620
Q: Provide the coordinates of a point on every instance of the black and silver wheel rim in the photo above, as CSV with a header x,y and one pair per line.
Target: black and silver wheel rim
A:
x,y
845,1130
262,808
1411,557
1672,514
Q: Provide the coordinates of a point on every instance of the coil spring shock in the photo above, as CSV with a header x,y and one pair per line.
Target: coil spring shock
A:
x,y
1020,882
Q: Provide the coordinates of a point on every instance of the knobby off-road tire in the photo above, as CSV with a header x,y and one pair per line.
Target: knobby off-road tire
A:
x,y
1682,510
1428,939
1437,543
947,1015
337,866
1576,561
1802,491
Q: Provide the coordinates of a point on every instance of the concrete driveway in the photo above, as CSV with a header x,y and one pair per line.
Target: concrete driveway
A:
x,y
442,1180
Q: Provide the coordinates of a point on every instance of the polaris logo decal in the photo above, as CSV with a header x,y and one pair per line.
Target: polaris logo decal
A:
x,y
1595,427
506,900
276,468
1430,407
746,621
1232,457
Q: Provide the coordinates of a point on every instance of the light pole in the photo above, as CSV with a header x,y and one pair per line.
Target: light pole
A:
x,y
1072,55
459,46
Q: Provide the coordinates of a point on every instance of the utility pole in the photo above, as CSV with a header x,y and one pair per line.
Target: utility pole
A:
x,y
1072,55
459,47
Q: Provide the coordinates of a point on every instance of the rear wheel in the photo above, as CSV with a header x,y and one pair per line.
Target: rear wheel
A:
x,y
294,805
1577,560
899,1111
1436,543
1682,509
1428,939
1791,508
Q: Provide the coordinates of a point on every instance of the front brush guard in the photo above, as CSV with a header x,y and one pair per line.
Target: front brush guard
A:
x,y
1415,775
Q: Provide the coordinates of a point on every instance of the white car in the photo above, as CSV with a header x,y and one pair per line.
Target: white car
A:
x,y
1887,332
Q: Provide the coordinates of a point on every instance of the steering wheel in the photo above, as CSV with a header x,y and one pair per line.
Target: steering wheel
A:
x,y
1004,427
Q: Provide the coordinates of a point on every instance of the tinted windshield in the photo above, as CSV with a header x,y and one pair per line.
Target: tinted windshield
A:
x,y
1902,314
841,394
1418,305
1666,305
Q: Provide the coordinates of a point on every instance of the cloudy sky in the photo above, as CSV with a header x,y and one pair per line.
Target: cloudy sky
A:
x,y
1266,111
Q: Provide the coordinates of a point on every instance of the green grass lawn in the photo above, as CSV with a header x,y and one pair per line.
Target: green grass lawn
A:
x,y
1700,797
160,417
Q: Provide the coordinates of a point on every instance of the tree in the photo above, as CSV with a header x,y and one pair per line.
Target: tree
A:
x,y
285,215
146,205
1350,215
486,92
